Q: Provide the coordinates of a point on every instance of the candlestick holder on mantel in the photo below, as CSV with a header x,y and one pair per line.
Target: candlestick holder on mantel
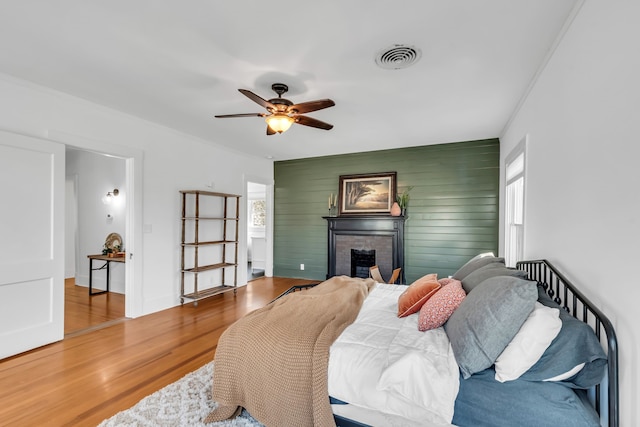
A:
x,y
333,204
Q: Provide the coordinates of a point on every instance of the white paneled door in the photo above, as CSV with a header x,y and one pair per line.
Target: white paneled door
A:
x,y
31,243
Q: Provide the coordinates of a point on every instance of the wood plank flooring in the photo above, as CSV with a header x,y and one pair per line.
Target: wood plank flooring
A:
x,y
91,376
83,311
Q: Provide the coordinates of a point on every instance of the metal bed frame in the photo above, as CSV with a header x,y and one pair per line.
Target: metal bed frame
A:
x,y
294,289
605,395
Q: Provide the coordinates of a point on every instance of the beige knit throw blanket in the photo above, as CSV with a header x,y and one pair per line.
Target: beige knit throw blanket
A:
x,y
273,361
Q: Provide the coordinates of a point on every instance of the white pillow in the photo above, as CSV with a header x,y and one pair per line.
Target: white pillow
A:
x,y
529,344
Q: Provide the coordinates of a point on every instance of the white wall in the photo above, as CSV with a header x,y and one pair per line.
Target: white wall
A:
x,y
582,203
98,217
172,161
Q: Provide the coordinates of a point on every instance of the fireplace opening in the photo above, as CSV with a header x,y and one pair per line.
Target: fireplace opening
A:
x,y
361,260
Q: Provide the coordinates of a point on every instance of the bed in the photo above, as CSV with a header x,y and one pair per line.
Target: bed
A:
x,y
479,372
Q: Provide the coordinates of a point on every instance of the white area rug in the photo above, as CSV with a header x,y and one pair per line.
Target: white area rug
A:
x,y
184,403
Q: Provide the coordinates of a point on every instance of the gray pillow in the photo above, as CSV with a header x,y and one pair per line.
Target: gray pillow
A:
x,y
475,263
488,271
487,320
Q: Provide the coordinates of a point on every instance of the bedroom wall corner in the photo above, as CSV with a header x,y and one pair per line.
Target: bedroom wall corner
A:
x,y
172,161
582,171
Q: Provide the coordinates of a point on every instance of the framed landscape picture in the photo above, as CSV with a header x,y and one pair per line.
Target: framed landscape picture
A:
x,y
367,194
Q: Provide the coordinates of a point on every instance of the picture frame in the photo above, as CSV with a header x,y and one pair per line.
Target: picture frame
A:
x,y
367,194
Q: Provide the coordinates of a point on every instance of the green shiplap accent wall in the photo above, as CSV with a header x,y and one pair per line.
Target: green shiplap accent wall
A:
x,y
452,212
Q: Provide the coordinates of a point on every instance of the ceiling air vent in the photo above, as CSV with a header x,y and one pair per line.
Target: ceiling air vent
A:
x,y
398,56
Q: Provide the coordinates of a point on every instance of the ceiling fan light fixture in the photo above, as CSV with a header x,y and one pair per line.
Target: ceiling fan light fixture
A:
x,y
279,122
282,113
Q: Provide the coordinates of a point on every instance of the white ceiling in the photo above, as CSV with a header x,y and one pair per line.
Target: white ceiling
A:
x,y
179,63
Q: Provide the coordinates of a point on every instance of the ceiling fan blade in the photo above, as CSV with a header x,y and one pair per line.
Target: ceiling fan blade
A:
x,y
315,123
258,100
270,131
226,116
307,107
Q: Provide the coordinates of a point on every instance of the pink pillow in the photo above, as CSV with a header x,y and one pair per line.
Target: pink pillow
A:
x,y
446,280
416,294
437,310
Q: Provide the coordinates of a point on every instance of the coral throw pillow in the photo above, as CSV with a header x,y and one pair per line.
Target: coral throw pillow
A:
x,y
416,294
437,310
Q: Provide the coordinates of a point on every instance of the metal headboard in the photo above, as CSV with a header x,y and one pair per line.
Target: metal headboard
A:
x,y
571,299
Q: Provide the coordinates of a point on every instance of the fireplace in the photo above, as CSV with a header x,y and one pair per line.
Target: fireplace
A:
x,y
361,261
381,238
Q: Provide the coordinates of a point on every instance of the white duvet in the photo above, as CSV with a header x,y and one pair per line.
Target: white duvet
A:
x,y
384,363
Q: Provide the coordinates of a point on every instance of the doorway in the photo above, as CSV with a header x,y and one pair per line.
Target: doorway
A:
x,y
36,166
256,230
95,210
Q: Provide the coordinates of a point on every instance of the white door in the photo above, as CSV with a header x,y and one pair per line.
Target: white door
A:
x,y
32,176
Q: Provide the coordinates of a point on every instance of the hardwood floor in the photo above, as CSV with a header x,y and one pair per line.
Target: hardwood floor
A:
x,y
91,376
83,311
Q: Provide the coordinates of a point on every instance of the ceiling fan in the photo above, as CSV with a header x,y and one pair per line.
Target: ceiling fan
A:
x,y
282,113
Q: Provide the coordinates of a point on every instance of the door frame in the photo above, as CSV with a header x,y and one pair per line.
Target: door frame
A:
x,y
71,204
133,209
268,231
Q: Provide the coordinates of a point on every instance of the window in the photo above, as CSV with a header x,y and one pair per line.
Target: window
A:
x,y
258,211
514,205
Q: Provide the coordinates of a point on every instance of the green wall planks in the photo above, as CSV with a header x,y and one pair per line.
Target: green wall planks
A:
x,y
452,213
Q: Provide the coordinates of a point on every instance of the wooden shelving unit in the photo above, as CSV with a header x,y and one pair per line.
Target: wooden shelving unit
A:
x,y
209,244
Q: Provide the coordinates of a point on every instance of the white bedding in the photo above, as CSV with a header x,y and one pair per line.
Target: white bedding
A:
x,y
384,363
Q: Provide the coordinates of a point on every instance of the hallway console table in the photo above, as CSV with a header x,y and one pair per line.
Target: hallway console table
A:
x,y
107,260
